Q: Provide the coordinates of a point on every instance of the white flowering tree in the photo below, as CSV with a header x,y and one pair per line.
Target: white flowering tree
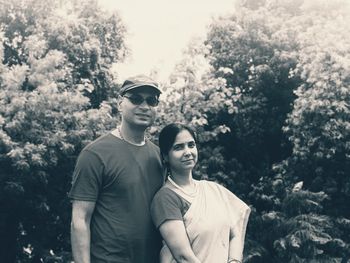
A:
x,y
319,125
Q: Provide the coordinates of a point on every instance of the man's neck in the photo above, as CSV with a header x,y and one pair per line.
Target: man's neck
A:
x,y
133,135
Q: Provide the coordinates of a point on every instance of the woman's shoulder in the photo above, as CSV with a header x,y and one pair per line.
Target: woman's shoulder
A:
x,y
212,184
167,199
164,190
227,195
165,193
216,187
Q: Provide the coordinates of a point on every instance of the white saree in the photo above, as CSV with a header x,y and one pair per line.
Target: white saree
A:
x,y
214,215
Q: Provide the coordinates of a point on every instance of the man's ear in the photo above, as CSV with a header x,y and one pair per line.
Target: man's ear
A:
x,y
119,102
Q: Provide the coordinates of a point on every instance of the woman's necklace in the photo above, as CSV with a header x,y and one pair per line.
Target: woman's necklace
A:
x,y
120,135
181,189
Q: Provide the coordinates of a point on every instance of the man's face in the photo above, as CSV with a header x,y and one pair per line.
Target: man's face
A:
x,y
138,107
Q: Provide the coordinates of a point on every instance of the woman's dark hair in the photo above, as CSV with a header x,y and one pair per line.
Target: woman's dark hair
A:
x,y
168,135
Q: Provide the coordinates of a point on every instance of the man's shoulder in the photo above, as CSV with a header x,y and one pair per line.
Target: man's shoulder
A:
x,y
101,142
152,145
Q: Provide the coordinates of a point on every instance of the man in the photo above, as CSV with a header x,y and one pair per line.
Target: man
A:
x,y
114,181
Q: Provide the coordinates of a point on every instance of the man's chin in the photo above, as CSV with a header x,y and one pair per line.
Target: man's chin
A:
x,y
144,123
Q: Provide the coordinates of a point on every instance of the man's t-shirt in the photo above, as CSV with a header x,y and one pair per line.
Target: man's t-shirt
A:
x,y
122,179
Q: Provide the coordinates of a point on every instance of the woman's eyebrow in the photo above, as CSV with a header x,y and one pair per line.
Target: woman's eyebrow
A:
x,y
183,143
179,144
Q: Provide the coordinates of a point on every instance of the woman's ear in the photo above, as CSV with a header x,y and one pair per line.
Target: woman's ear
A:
x,y
166,159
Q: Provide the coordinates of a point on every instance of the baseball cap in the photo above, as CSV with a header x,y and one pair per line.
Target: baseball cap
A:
x,y
137,82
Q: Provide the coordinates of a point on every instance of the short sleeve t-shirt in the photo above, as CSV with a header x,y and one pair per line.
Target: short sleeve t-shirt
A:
x,y
168,205
122,179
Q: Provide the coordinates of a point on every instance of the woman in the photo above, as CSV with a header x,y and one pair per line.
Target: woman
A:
x,y
200,221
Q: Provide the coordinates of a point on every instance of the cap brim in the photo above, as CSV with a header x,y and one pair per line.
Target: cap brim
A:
x,y
137,86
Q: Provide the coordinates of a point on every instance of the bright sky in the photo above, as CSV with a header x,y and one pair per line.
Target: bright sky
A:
x,y
160,29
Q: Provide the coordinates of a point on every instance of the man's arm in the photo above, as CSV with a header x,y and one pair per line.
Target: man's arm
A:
x,y
175,236
80,230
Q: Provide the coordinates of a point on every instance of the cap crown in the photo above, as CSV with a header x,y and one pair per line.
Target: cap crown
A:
x,y
138,81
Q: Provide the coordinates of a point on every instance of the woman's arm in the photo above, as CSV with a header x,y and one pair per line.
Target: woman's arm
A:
x,y
237,236
80,230
236,246
175,236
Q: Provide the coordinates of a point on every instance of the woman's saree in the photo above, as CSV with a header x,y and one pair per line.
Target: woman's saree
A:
x,y
214,216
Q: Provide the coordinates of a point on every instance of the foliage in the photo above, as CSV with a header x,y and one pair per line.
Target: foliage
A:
x,y
88,37
319,125
301,232
193,93
264,62
54,79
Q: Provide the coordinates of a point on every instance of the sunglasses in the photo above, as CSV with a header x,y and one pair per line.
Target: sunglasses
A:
x,y
137,99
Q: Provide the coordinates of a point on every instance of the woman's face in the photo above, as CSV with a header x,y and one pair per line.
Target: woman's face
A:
x,y
183,155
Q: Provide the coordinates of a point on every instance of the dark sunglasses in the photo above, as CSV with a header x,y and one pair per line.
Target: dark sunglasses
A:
x,y
137,99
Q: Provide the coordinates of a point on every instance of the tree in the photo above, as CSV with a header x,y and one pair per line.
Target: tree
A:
x,y
318,126
89,37
54,83
255,51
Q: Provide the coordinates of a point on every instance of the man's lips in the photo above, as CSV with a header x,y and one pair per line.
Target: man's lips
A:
x,y
142,115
